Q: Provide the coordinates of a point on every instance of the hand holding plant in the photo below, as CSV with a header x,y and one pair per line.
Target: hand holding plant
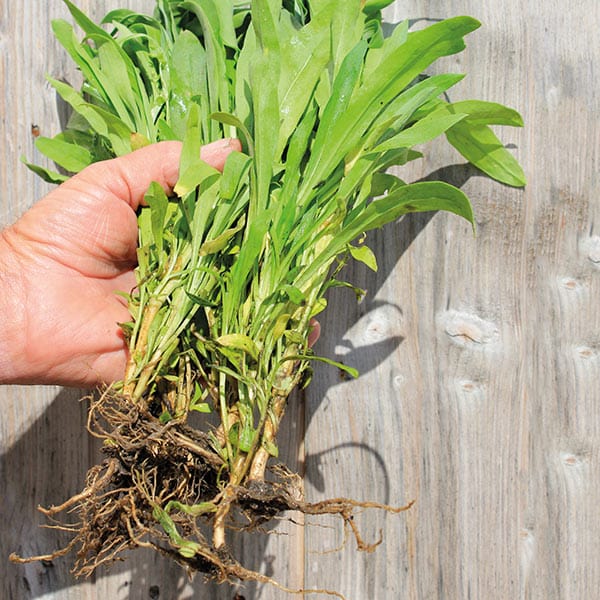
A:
x,y
67,259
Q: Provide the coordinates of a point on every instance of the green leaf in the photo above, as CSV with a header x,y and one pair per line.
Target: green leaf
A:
x,y
264,80
294,294
138,141
233,121
190,152
402,66
234,174
247,433
481,147
90,28
198,393
188,549
350,370
69,156
417,197
385,182
365,255
220,242
158,202
187,70
271,448
486,113
165,417
304,55
319,306
249,252
195,510
217,98
376,5
421,132
101,121
324,154
241,342
46,174
280,326
196,174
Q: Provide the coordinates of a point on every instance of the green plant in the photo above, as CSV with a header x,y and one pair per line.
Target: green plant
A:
x,y
234,267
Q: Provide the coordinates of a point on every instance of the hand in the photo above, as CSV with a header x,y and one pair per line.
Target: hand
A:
x,y
62,263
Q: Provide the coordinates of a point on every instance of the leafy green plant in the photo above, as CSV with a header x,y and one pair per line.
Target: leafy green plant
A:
x,y
233,268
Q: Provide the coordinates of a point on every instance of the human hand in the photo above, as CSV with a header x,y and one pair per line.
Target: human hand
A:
x,y
63,261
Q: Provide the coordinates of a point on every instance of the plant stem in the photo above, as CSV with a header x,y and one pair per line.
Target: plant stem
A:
x,y
259,462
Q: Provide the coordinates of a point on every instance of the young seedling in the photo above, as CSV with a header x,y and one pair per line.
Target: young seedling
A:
x,y
234,266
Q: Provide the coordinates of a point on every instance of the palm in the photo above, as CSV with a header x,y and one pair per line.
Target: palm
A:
x,y
80,253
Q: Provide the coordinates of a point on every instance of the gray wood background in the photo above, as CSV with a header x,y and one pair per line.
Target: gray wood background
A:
x,y
480,357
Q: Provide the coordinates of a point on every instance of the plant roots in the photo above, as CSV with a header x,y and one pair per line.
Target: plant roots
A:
x,y
164,486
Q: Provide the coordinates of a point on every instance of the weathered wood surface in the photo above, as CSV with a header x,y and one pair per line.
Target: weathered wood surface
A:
x,y
480,357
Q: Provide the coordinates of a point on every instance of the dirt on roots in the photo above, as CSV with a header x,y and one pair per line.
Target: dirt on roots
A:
x,y
159,485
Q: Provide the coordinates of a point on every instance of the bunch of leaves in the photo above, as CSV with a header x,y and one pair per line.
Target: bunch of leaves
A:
x,y
233,268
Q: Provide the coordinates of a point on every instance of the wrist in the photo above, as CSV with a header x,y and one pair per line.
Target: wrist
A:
x,y
12,312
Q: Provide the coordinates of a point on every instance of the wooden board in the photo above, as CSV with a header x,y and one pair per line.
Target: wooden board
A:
x,y
479,393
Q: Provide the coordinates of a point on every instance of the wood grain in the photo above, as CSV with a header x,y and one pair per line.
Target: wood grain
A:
x,y
479,356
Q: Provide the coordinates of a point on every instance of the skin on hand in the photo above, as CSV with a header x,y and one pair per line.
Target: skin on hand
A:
x,y
63,262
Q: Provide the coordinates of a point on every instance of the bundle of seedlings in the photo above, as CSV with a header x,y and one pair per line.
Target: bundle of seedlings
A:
x,y
233,268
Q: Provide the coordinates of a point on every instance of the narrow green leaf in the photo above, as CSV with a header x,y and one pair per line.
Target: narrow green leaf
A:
x,y
403,66
199,300
280,326
103,122
217,98
220,242
69,156
304,55
189,549
417,197
190,153
165,417
384,182
90,28
481,147
247,433
47,175
158,202
234,174
421,132
265,23
187,71
324,156
350,370
243,266
264,79
486,113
